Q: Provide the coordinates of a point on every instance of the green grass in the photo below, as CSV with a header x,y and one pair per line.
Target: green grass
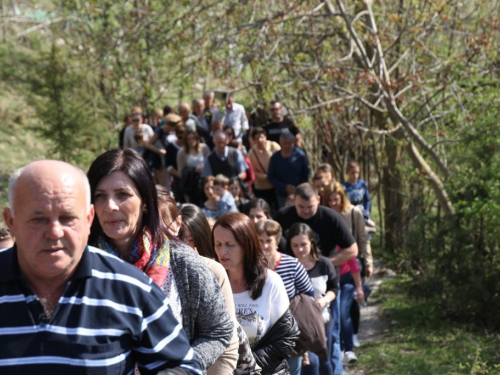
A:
x,y
419,340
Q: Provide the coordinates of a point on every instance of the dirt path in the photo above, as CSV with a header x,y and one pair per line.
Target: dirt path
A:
x,y
371,326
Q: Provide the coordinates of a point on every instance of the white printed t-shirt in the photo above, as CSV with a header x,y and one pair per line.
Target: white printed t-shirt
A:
x,y
257,316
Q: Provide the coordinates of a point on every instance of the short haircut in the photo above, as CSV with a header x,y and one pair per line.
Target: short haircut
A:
x,y
208,92
273,102
270,227
301,228
220,132
323,168
18,172
258,131
351,165
221,180
136,110
226,95
306,191
286,135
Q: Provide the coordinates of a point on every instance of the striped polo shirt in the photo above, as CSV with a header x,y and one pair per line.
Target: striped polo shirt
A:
x,y
294,276
110,317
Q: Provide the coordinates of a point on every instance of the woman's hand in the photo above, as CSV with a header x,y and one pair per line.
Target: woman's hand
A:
x,y
321,302
199,169
361,295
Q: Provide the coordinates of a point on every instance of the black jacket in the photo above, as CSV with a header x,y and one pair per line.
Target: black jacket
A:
x,y
277,344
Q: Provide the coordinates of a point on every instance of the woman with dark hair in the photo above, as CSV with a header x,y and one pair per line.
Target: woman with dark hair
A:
x,y
128,225
260,296
196,233
302,241
257,209
190,161
237,193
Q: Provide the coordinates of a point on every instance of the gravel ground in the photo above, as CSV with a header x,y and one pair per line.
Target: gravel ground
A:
x,y
371,326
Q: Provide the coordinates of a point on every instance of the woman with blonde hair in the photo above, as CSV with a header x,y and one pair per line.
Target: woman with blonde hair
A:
x,y
350,279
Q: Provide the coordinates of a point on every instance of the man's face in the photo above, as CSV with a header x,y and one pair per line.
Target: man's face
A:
x,y
51,225
321,181
209,100
306,209
287,145
275,111
220,143
136,119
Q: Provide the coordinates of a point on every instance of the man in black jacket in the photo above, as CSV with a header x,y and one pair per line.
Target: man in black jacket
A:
x,y
224,159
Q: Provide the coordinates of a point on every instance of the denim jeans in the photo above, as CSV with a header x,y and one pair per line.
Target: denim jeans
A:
x,y
346,298
335,352
318,365
295,364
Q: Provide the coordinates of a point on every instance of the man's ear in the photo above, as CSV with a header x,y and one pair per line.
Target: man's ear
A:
x,y
90,215
8,218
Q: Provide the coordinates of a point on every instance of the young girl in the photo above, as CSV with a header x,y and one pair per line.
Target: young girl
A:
x,y
237,193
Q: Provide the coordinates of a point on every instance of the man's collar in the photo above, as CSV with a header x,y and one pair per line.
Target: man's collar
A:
x,y
10,270
226,150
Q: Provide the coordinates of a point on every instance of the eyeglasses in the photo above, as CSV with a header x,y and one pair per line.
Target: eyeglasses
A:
x,y
136,119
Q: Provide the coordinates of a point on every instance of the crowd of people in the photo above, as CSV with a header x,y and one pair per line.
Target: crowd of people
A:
x,y
203,244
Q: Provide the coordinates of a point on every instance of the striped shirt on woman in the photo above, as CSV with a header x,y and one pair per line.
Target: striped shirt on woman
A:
x,y
294,276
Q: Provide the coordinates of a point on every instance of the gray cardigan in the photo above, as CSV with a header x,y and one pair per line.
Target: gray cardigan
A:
x,y
204,314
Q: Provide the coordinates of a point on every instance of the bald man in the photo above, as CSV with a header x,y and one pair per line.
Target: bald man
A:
x,y
69,308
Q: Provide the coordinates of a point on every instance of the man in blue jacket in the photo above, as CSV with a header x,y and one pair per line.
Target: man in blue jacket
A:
x,y
288,168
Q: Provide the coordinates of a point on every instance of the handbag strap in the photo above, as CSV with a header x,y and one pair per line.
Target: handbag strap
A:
x,y
258,161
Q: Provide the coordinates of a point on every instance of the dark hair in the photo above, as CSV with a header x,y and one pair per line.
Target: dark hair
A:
x,y
236,181
167,206
258,131
133,165
195,221
255,264
185,142
352,164
228,127
167,109
306,191
301,228
258,203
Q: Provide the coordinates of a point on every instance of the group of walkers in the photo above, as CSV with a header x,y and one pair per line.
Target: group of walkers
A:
x,y
262,269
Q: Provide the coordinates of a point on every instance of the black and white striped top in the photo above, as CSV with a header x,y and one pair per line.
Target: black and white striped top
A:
x,y
294,276
110,317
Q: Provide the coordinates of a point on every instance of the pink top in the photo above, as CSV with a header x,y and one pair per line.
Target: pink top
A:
x,y
350,266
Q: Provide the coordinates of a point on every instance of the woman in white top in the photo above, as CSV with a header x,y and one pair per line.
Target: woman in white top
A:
x,y
260,298
192,153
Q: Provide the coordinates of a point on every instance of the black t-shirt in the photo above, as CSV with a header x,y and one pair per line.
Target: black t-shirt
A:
x,y
275,129
329,226
322,268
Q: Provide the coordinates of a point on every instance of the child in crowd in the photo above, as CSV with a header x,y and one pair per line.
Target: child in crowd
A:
x,y
6,239
357,189
237,193
226,202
